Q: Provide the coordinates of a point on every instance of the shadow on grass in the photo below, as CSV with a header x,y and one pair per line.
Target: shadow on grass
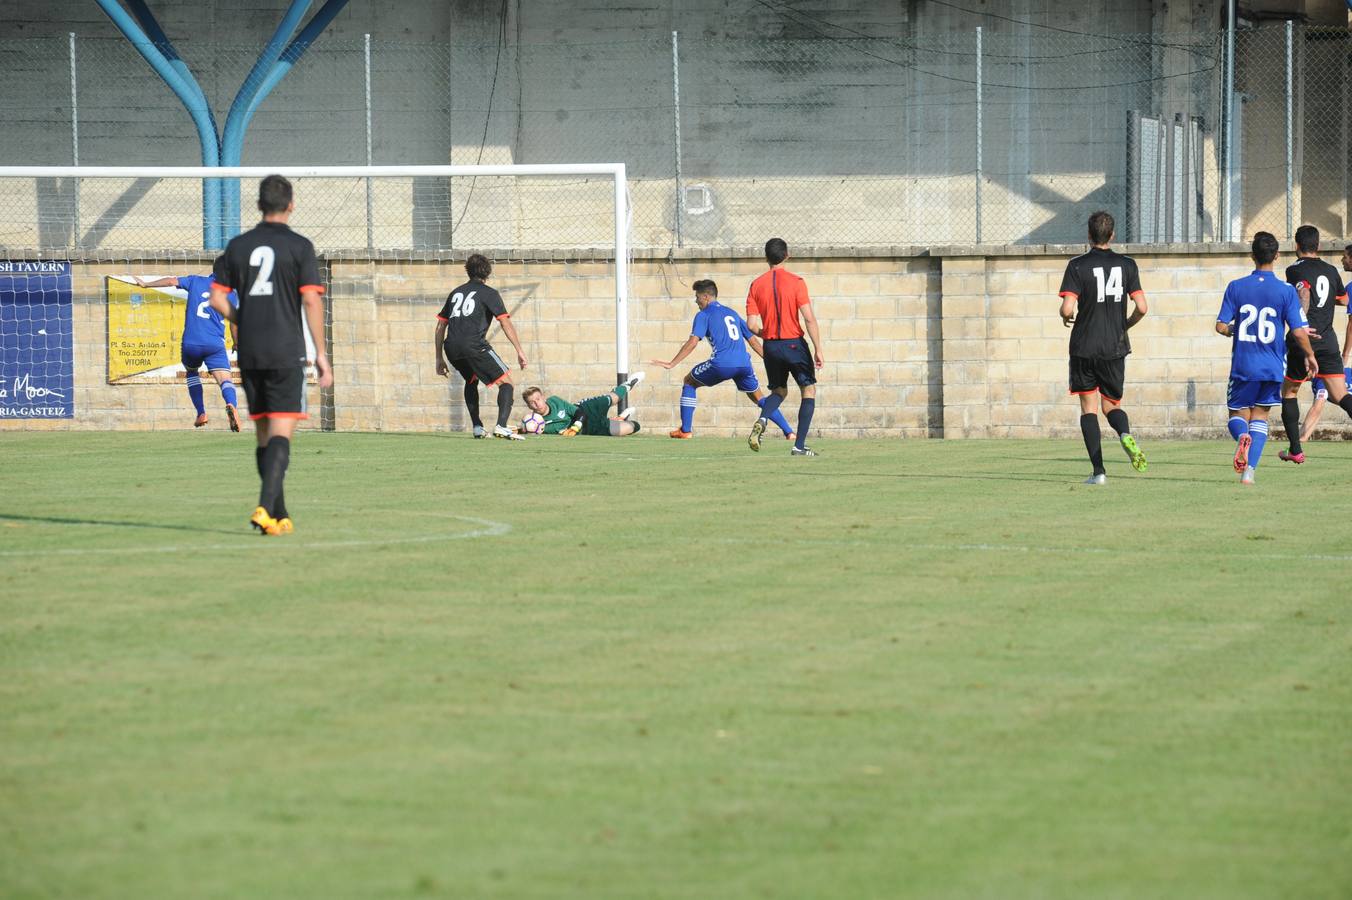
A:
x,y
1043,477
151,526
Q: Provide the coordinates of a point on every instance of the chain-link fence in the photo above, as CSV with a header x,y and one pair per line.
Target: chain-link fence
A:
x,y
854,142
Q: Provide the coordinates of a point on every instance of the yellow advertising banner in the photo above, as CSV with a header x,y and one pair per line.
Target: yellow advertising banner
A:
x,y
145,331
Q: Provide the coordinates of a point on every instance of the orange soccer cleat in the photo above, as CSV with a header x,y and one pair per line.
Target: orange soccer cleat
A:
x,y
683,435
200,421
233,415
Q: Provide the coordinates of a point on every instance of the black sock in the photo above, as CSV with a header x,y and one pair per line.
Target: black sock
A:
x,y
505,393
805,410
1346,403
1118,419
1291,421
276,456
472,403
1093,441
279,511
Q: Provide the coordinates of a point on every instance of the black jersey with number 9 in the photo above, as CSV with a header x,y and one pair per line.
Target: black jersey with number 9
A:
x,y
1102,281
1326,289
268,266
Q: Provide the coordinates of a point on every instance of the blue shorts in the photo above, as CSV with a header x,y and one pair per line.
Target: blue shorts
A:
x,y
710,373
215,357
1244,394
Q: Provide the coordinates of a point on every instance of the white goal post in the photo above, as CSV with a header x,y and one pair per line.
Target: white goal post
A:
x,y
150,214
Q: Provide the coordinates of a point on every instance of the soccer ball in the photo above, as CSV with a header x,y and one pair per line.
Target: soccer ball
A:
x,y
533,424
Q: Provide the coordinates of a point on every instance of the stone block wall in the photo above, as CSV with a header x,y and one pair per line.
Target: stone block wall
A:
x,y
948,343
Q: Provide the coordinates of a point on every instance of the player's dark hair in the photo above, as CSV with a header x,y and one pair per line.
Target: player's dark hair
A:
x,y
776,251
1307,239
1264,248
705,286
274,194
1348,248
1101,227
478,267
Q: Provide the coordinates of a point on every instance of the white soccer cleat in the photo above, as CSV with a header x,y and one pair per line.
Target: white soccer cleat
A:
x,y
1096,479
634,379
479,432
507,434
806,451
1247,477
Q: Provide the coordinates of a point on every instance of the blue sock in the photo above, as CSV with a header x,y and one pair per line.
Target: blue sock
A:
x,y
770,405
195,392
1238,426
775,415
687,408
228,392
805,410
1259,432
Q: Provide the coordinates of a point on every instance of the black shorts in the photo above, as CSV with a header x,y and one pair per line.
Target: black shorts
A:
x,y
1325,352
788,357
275,393
1107,376
480,362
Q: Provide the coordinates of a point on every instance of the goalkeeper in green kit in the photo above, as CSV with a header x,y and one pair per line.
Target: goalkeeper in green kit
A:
x,y
590,416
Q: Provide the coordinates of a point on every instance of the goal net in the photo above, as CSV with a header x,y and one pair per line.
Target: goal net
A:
x,y
94,261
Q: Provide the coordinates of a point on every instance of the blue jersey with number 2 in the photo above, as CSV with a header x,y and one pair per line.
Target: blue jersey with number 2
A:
x,y
202,325
726,331
1261,307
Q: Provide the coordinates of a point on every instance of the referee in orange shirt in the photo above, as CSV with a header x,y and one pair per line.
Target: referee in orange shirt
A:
x,y
773,307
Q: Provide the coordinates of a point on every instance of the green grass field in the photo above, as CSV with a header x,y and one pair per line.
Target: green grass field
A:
x,y
651,668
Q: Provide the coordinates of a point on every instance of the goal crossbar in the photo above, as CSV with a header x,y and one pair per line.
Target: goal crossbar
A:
x,y
615,171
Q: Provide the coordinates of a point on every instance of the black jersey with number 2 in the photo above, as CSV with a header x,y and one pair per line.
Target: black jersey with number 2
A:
x,y
1102,281
1326,288
469,311
268,266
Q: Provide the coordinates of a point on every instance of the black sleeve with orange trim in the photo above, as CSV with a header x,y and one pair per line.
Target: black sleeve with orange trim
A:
x,y
309,269
1133,285
221,274
1070,282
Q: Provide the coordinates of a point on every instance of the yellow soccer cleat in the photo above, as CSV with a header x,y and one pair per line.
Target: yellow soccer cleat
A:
x,y
284,526
265,523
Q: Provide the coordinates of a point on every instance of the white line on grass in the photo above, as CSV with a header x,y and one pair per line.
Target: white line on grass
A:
x,y
488,528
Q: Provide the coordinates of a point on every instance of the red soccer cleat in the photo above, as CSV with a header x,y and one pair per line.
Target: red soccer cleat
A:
x,y
1242,453
1296,458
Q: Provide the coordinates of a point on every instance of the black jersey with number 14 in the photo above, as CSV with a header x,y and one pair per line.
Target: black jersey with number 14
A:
x,y
1102,281
268,266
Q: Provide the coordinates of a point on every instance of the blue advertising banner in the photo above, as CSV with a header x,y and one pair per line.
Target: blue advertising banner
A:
x,y
37,359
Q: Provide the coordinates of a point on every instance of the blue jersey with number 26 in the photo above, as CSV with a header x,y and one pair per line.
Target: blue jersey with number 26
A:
x,y
202,325
726,331
1261,307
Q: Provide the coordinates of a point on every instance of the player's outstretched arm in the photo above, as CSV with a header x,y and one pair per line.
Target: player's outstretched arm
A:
x,y
510,330
440,340
220,301
810,323
169,281
681,354
314,317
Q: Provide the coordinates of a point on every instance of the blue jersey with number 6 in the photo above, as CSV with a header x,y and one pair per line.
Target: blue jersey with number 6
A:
x,y
202,325
1260,307
726,331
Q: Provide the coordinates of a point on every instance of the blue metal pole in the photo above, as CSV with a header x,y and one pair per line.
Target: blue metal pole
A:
x,y
190,94
237,120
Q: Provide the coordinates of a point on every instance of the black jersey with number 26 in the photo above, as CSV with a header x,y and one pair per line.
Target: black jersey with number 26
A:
x,y
1326,288
1102,281
468,312
268,266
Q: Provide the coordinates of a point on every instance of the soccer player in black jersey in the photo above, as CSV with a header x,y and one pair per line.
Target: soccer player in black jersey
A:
x,y
1321,289
462,334
1093,293
275,273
